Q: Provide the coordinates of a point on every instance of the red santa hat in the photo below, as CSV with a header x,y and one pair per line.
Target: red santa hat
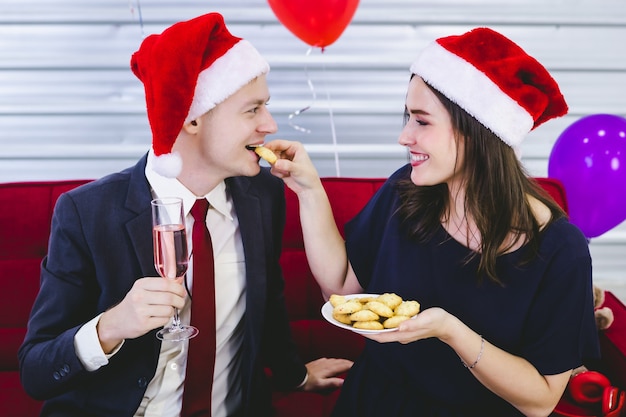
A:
x,y
186,71
493,80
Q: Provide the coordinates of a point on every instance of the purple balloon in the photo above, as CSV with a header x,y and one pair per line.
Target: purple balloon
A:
x,y
589,158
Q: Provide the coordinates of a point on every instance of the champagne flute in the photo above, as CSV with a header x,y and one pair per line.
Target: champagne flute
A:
x,y
170,256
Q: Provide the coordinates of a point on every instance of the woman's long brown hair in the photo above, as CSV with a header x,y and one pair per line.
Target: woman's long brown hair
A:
x,y
497,187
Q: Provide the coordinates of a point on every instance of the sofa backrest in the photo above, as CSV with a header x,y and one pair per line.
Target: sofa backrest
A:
x,y
25,225
25,215
24,228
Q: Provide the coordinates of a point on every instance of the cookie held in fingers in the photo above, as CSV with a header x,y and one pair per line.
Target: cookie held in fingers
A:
x,y
266,154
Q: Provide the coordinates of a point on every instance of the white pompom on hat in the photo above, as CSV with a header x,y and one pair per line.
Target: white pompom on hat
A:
x,y
186,71
493,80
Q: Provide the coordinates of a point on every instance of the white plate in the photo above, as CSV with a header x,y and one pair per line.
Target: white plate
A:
x,y
327,313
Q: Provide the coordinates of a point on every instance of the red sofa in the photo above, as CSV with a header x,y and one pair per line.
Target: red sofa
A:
x,y
24,227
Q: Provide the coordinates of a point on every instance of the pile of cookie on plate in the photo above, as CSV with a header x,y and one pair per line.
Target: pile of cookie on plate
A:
x,y
372,312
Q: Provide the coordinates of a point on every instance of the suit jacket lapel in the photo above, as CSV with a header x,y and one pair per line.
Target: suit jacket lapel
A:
x,y
248,207
140,227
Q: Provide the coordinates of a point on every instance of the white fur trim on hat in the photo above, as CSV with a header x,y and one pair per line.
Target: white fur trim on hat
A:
x,y
472,90
168,165
237,67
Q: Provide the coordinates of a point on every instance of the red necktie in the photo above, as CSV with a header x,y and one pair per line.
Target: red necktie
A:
x,y
201,356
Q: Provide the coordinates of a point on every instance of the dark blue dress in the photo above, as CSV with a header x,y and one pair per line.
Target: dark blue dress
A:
x,y
543,313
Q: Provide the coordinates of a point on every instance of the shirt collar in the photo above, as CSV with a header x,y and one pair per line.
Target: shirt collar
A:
x,y
172,187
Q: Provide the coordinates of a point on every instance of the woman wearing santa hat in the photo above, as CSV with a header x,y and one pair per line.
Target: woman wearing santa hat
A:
x,y
502,276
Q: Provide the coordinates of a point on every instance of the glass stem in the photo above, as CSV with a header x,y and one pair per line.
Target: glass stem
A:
x,y
176,319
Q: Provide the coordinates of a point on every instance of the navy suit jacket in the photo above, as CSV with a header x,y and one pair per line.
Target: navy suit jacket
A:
x,y
101,242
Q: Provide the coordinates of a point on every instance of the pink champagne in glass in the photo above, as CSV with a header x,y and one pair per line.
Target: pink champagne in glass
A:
x,y
170,251
171,256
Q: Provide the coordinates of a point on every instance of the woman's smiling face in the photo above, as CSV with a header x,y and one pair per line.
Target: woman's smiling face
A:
x,y
430,138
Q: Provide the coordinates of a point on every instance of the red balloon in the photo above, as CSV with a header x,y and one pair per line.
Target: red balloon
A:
x,y
317,22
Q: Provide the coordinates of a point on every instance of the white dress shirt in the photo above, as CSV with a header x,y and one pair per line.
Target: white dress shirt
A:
x,y
163,396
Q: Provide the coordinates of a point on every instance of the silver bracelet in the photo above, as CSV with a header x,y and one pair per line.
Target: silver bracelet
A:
x,y
480,354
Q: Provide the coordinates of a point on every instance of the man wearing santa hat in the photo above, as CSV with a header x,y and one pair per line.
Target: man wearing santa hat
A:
x,y
91,348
